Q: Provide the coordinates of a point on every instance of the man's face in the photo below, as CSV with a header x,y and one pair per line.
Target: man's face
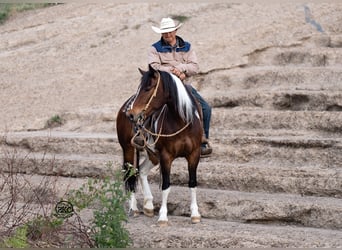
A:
x,y
170,37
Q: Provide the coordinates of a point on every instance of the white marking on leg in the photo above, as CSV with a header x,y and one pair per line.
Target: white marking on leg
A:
x,y
193,206
133,204
148,198
145,168
163,208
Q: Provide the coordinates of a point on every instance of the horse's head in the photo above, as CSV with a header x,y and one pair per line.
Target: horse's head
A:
x,y
146,100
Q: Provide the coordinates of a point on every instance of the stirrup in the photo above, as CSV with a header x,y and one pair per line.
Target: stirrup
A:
x,y
206,150
138,141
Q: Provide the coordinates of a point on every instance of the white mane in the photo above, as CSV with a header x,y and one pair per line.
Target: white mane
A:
x,y
184,101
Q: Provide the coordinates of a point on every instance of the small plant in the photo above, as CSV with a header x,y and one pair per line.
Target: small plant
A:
x,y
108,199
54,121
39,226
180,18
18,240
109,218
4,12
6,9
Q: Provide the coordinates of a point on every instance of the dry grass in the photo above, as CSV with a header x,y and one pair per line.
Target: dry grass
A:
x,y
27,205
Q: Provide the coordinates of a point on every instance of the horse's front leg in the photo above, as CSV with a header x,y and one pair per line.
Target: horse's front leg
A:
x,y
165,167
195,215
145,168
163,220
192,168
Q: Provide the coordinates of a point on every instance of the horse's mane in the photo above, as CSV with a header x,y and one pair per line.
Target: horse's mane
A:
x,y
183,100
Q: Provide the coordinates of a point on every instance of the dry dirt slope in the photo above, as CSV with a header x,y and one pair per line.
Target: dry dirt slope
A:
x,y
271,72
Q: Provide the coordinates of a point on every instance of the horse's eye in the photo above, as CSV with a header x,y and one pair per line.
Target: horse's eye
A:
x,y
148,86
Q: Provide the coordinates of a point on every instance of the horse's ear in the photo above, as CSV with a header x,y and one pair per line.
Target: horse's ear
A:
x,y
151,69
141,71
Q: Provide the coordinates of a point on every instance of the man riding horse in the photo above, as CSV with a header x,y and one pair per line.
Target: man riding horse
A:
x,y
164,120
174,55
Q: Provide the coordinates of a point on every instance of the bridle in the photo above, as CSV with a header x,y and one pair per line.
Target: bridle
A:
x,y
141,129
141,116
153,95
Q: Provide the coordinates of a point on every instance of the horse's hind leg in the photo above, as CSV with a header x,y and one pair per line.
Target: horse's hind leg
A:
x,y
130,180
133,207
125,133
145,168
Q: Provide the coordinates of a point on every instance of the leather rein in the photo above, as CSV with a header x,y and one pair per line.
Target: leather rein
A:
x,y
141,127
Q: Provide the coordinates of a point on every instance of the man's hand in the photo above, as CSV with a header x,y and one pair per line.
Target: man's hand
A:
x,y
181,75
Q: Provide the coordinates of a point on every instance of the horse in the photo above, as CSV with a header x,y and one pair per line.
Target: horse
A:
x,y
160,122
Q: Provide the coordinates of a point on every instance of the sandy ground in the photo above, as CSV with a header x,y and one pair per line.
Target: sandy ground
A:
x,y
80,57
81,60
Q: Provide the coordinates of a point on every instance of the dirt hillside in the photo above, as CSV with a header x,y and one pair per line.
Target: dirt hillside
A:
x,y
272,73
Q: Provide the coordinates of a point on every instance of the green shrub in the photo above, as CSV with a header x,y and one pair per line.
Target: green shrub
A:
x,y
54,121
18,240
109,231
4,12
42,225
180,18
7,8
107,197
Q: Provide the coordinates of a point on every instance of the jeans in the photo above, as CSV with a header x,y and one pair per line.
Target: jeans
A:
x,y
206,110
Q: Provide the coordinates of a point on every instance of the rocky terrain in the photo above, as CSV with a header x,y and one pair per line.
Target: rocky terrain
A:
x,y
272,73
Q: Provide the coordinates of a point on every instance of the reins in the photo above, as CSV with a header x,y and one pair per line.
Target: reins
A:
x,y
142,128
158,135
166,135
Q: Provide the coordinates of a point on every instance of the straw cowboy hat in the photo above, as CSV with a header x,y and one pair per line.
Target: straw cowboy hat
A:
x,y
167,25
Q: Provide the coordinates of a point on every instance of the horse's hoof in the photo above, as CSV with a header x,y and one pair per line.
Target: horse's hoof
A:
x,y
163,223
149,212
134,213
195,219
